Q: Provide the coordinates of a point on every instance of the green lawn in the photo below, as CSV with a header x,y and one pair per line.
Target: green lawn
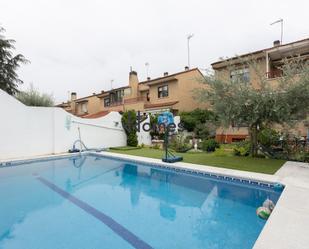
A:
x,y
222,158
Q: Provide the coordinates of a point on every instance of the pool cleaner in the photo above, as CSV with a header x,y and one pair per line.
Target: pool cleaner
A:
x,y
82,145
269,204
278,187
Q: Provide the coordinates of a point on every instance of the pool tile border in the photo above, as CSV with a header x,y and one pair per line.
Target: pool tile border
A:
x,y
160,165
17,162
196,172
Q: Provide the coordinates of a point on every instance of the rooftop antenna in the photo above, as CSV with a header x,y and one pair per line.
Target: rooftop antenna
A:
x,y
279,21
147,69
189,36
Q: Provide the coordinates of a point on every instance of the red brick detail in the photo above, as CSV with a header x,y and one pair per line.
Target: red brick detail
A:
x,y
227,138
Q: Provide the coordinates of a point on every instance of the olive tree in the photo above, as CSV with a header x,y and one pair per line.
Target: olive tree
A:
x,y
32,97
240,103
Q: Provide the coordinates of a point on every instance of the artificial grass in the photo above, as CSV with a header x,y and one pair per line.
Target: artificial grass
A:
x,y
220,158
124,148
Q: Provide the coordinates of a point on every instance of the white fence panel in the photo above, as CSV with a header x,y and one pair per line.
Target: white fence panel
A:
x,y
29,131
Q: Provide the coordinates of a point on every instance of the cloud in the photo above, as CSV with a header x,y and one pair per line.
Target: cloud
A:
x,y
81,45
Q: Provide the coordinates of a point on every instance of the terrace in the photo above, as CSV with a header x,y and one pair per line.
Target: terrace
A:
x,y
275,56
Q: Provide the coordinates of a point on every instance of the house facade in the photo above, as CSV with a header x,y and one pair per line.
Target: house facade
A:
x,y
268,63
171,92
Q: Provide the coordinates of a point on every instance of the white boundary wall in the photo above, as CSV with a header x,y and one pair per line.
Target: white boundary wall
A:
x,y
30,131
144,137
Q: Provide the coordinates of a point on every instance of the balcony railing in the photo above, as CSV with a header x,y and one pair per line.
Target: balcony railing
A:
x,y
112,104
275,73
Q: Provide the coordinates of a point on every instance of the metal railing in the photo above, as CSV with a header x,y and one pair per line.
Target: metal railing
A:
x,y
275,73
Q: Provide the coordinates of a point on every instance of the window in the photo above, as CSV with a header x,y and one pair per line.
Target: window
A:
x,y
119,95
84,107
163,91
240,75
107,102
116,96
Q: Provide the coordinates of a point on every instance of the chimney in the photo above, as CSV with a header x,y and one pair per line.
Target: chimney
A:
x,y
148,78
73,96
133,83
72,102
186,68
133,78
276,43
93,93
165,74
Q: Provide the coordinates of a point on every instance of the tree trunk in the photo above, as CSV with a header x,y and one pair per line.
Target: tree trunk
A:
x,y
253,138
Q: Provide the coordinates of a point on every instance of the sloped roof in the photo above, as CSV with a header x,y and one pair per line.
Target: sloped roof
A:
x,y
171,103
170,76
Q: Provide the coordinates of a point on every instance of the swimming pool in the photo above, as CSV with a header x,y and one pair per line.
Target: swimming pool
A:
x,y
96,202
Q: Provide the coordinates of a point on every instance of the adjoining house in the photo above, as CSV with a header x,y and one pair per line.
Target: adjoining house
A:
x,y
172,92
268,62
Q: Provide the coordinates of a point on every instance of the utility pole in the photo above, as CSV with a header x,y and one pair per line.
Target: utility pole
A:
x,y
188,43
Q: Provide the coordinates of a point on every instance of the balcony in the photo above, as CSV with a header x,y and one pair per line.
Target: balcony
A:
x,y
116,103
275,73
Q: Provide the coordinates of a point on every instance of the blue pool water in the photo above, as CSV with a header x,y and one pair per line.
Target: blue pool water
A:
x,y
96,203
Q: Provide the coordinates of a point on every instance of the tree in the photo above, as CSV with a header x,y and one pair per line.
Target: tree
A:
x,y
237,102
9,64
128,121
32,97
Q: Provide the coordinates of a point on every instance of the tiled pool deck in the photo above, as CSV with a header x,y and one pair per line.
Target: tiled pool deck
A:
x,y
287,227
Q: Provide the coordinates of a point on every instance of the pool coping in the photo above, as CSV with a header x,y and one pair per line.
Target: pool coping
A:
x,y
286,227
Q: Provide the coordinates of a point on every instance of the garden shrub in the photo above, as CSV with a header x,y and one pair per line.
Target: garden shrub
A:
x,y
197,116
209,145
129,125
302,157
180,144
201,131
221,152
269,137
155,146
242,148
132,139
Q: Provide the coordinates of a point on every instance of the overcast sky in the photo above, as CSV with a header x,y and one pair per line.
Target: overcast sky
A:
x,y
81,46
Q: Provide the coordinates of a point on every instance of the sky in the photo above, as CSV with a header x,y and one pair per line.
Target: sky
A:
x,y
81,46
